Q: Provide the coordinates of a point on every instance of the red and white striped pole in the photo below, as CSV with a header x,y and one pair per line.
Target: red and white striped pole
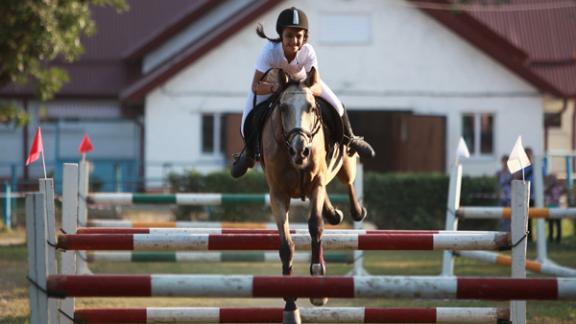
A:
x,y
484,288
308,315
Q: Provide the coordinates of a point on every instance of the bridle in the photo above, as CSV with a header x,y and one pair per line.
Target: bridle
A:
x,y
307,134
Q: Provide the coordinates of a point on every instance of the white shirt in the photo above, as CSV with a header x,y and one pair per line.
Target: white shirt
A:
x,y
272,56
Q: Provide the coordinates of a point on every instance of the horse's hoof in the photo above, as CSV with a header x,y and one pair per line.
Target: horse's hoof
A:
x,y
318,269
291,317
334,218
360,217
319,301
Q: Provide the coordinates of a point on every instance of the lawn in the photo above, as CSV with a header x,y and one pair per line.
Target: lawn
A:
x,y
14,301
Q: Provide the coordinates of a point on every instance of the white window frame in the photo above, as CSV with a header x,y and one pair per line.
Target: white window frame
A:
x,y
216,135
475,151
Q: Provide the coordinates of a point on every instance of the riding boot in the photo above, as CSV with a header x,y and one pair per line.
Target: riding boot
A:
x,y
356,144
245,159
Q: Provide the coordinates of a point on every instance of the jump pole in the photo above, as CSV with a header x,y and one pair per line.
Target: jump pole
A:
x,y
223,242
309,315
179,256
214,230
189,199
506,212
243,286
506,260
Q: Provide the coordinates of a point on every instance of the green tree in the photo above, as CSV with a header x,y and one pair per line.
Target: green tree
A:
x,y
34,33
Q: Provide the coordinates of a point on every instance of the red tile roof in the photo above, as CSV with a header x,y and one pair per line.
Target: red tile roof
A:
x,y
543,32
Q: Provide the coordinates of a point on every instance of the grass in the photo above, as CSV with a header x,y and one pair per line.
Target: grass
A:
x,y
14,299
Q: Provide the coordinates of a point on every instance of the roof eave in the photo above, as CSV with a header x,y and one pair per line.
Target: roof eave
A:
x,y
139,89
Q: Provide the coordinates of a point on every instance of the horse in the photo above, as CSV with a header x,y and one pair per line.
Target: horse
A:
x,y
299,163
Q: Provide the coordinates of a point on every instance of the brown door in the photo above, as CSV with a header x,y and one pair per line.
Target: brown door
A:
x,y
422,144
402,141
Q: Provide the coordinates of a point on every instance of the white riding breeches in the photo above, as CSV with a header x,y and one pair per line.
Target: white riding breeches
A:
x,y
326,94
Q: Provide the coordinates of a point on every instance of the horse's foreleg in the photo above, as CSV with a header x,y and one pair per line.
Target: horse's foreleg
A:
x,y
316,228
280,206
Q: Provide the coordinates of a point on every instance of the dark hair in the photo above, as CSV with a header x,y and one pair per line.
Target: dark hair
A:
x,y
260,32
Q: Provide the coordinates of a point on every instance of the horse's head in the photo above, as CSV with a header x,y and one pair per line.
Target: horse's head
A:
x,y
300,118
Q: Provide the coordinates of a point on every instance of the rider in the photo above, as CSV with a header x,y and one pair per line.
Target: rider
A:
x,y
291,53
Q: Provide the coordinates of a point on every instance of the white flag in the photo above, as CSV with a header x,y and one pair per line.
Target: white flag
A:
x,y
518,159
462,151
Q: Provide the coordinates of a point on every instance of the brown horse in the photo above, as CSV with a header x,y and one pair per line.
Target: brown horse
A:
x,y
294,154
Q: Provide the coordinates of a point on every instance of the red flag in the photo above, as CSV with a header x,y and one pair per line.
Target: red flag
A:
x,y
86,145
36,149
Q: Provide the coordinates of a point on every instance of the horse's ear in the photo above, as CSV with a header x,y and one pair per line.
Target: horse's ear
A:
x,y
282,78
312,76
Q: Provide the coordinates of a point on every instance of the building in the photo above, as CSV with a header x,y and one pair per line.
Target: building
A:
x,y
161,87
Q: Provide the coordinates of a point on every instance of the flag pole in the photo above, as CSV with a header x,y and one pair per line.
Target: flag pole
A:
x,y
44,164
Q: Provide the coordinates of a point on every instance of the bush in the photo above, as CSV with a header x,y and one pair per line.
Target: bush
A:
x,y
393,200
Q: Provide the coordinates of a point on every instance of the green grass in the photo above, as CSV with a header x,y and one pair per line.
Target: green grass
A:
x,y
14,298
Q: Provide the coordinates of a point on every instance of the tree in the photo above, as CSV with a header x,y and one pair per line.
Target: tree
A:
x,y
34,33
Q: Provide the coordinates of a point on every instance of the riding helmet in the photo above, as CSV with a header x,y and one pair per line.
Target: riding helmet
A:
x,y
291,17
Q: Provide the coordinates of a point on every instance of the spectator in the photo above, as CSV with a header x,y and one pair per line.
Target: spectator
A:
x,y
504,181
552,193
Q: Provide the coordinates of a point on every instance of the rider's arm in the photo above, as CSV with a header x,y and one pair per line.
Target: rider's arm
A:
x,y
261,87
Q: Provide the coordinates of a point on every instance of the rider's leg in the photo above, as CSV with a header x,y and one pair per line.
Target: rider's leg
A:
x,y
355,143
247,157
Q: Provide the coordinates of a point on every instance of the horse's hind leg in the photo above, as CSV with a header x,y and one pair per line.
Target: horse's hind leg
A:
x,y
347,174
316,228
333,215
280,205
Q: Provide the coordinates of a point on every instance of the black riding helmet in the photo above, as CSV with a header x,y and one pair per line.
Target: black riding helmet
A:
x,y
291,17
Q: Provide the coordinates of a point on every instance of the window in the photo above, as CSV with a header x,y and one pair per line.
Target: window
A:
x,y
478,133
213,134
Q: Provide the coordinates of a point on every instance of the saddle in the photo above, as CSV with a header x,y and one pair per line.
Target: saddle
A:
x,y
331,124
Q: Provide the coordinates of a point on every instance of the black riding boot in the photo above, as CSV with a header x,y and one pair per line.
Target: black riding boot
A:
x,y
356,144
245,159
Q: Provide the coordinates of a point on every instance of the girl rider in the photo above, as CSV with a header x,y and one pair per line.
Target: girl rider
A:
x,y
291,53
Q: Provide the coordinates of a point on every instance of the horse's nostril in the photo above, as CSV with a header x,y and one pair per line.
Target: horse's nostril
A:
x,y
291,151
306,152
